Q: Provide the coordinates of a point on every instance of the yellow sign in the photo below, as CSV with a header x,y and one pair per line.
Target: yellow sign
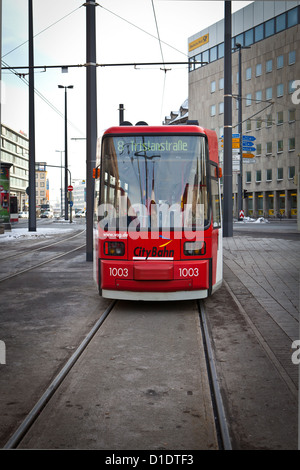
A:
x,y
248,155
235,145
234,140
199,42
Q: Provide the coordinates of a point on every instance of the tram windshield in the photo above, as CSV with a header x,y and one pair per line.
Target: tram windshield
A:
x,y
154,181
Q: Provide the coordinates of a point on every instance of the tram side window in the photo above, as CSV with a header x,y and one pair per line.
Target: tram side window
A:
x,y
215,196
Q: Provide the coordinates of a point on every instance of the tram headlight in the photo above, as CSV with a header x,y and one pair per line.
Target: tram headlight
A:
x,y
114,248
194,248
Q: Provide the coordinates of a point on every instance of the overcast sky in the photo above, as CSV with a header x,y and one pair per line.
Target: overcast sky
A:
x,y
125,30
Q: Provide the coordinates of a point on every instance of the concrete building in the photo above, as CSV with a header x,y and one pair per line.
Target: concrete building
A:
x,y
41,186
270,100
14,150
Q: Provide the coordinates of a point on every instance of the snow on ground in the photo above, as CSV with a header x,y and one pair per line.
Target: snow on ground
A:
x,y
23,233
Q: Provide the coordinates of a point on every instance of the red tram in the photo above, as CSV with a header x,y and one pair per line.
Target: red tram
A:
x,y
157,216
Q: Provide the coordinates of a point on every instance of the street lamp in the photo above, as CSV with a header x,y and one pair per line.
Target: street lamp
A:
x,y
66,151
239,47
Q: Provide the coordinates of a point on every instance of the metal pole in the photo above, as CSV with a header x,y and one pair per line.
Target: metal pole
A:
x,y
240,181
228,219
32,192
66,156
91,121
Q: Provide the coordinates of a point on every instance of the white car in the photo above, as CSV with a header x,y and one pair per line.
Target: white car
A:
x,y
23,215
80,214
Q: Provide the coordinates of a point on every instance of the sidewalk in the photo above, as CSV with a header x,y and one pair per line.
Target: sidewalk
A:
x,y
254,319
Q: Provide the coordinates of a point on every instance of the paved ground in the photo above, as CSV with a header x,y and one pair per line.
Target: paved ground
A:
x,y
254,319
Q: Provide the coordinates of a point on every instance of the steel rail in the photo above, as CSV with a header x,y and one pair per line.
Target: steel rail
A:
x,y
214,382
16,438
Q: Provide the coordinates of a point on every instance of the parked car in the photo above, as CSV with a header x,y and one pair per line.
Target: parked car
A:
x,y
23,215
80,214
46,215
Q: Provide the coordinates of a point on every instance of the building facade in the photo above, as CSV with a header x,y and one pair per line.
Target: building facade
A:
x,y
269,33
41,186
14,150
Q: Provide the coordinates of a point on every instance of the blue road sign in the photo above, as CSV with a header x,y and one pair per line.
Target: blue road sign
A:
x,y
249,149
247,143
234,136
249,137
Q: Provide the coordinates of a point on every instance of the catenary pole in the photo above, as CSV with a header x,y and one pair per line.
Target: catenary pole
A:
x,y
227,167
91,121
32,192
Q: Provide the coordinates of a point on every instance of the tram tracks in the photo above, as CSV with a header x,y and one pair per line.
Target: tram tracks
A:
x,y
30,252
219,413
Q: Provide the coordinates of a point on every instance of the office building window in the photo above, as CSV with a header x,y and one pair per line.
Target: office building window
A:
x,y
280,173
269,93
248,125
291,87
269,120
259,33
269,66
213,110
258,176
258,96
213,86
292,57
292,115
258,123
258,149
291,172
280,23
279,90
221,50
279,146
269,28
248,99
291,143
221,108
280,61
279,118
240,39
248,73
213,54
269,148
292,17
249,37
269,174
221,83
248,176
258,70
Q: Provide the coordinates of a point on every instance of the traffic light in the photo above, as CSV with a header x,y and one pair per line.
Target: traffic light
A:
x,y
245,193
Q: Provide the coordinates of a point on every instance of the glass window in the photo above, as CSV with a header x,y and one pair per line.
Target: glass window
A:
x,y
258,176
292,17
248,125
147,181
213,53
213,110
292,115
221,108
269,174
269,148
240,39
221,50
269,28
258,149
280,23
279,90
213,86
248,176
269,120
292,57
291,87
269,93
280,61
259,33
249,37
205,56
279,146
279,173
258,70
269,66
221,83
258,96
215,196
292,143
258,123
248,99
198,58
248,73
291,172
280,117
